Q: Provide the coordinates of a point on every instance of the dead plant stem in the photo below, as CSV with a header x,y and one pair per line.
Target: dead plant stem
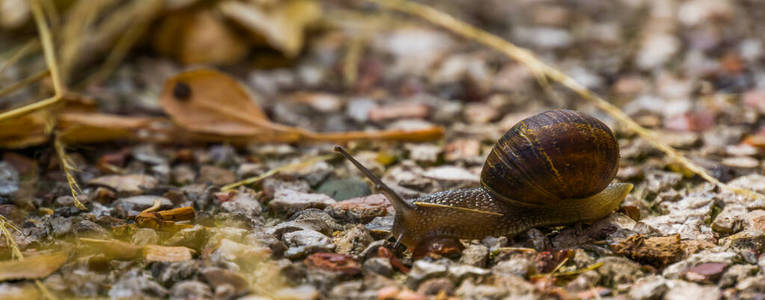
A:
x,y
527,58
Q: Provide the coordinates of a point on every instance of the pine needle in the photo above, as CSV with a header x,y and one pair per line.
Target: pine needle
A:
x,y
68,167
527,58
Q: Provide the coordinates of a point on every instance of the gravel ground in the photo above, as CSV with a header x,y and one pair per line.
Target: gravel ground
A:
x,y
693,71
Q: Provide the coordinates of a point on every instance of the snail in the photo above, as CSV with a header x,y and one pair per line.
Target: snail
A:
x,y
553,168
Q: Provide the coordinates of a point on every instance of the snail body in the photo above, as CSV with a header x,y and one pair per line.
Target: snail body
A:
x,y
552,168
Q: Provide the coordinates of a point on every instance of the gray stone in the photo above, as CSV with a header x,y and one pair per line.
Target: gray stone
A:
x,y
136,284
215,175
194,237
301,292
475,255
89,228
379,265
304,242
435,286
735,274
618,270
342,189
168,273
190,289
145,236
674,271
183,174
352,241
222,279
423,270
459,272
380,226
288,202
681,290
730,220
650,287
518,266
60,226
755,284
9,179
132,206
361,209
243,204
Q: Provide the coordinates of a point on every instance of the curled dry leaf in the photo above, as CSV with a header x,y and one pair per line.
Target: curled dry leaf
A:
x,y
208,102
281,23
32,267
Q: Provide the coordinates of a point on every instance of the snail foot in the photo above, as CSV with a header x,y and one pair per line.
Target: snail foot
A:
x,y
439,247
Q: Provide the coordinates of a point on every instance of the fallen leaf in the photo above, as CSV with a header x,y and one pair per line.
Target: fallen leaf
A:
x,y
281,23
24,131
166,254
32,267
200,36
209,102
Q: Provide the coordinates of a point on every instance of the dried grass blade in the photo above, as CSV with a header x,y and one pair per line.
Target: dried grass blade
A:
x,y
528,58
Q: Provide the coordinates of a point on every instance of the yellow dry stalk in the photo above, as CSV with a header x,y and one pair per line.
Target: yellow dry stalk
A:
x,y
351,60
43,30
272,172
23,83
15,252
68,167
20,53
527,58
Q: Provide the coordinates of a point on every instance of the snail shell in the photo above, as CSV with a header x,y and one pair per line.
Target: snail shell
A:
x,y
550,157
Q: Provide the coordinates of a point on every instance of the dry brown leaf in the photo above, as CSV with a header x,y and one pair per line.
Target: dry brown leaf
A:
x,y
113,249
25,131
97,127
32,267
166,254
200,36
208,102
281,24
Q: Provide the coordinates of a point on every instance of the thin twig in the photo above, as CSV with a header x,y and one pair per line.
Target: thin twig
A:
x,y
24,82
527,58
